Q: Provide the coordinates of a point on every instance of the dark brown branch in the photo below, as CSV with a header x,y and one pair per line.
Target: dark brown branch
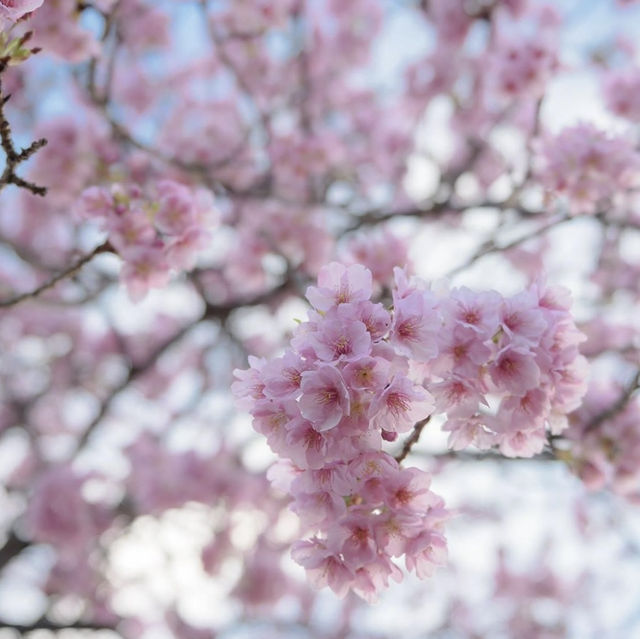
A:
x,y
225,59
464,455
133,373
219,312
12,548
45,624
222,311
618,406
493,247
74,268
412,439
200,170
14,157
101,102
372,218
489,455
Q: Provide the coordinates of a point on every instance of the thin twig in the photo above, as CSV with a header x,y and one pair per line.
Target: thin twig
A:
x,y
485,455
618,406
14,157
496,248
212,311
103,248
133,373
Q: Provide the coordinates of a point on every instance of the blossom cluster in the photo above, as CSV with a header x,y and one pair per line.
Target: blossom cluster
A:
x,y
153,233
587,166
205,477
300,236
254,16
68,514
358,375
380,252
605,442
59,514
523,67
60,31
519,355
622,93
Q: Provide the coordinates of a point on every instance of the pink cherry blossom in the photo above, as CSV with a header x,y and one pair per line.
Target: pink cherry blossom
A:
x,y
338,284
12,10
325,398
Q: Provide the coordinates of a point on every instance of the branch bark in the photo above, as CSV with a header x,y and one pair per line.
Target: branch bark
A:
x,y
14,157
412,439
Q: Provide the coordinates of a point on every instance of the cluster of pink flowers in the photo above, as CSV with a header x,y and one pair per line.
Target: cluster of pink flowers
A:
x,y
522,351
326,406
605,443
587,166
252,17
59,30
523,67
518,592
356,23
274,228
357,376
60,515
450,19
380,252
205,478
622,93
152,233
301,164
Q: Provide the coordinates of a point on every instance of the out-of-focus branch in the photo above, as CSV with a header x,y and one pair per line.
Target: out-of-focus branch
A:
x,y
212,311
199,169
494,247
45,624
74,268
222,311
109,25
374,217
489,455
228,63
12,548
133,373
101,100
492,455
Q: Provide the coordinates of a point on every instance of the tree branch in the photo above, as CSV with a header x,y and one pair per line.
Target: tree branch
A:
x,y
12,548
14,157
412,439
103,248
493,247
45,624
133,373
618,406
